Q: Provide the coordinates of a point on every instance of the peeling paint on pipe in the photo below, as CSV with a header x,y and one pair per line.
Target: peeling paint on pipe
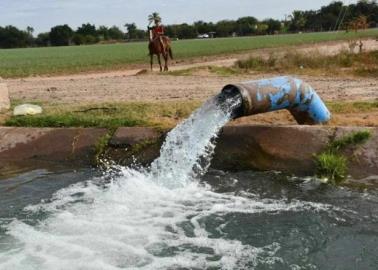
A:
x,y
280,93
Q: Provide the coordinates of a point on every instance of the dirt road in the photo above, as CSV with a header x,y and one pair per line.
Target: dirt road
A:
x,y
134,85
128,86
154,87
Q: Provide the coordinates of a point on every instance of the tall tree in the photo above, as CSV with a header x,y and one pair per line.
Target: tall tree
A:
x,y
297,21
332,15
246,26
131,30
87,30
61,35
202,27
30,30
43,39
186,31
274,26
103,32
12,37
225,28
115,33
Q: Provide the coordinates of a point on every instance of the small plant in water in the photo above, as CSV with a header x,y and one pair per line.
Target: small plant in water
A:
x,y
101,145
331,164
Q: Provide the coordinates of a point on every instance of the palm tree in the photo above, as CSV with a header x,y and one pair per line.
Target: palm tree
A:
x,y
30,30
131,30
154,17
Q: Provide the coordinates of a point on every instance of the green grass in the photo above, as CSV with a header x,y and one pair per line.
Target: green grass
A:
x,y
73,59
331,163
153,114
353,139
352,107
224,71
332,166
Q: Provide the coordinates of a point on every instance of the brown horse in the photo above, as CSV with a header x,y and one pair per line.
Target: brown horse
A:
x,y
160,48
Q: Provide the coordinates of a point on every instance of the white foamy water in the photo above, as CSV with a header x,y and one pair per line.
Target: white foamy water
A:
x,y
146,220
187,150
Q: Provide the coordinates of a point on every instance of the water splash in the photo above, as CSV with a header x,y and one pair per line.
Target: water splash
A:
x,y
149,219
188,148
133,222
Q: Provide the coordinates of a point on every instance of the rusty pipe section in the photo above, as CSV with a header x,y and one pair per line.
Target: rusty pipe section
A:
x,y
280,93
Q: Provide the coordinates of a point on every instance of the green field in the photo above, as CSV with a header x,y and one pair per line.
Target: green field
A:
x,y
73,59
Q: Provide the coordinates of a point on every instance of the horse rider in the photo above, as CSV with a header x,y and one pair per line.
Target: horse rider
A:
x,y
158,32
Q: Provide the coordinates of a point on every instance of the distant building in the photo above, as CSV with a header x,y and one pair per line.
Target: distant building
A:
x,y
212,34
207,35
203,36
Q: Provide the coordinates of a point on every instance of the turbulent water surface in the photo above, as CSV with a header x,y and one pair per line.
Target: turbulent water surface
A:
x,y
172,216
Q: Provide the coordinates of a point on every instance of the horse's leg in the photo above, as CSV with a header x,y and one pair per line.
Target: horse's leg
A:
x,y
165,61
151,60
158,56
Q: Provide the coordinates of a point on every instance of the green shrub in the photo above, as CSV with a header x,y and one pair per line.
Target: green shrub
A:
x,y
251,63
332,166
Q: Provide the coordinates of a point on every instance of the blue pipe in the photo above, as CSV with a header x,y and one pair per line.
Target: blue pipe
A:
x,y
280,93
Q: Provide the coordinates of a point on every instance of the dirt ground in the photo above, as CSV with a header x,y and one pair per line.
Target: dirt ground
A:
x,y
140,85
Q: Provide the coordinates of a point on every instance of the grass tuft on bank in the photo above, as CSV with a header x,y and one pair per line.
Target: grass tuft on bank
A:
x,y
332,166
353,139
332,163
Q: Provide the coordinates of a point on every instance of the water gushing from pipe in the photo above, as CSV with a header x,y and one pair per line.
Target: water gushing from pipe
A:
x,y
187,150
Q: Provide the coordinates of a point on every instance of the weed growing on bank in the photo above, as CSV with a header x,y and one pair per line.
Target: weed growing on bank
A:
x,y
332,164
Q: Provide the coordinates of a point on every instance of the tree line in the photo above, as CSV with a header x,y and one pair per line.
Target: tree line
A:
x,y
335,16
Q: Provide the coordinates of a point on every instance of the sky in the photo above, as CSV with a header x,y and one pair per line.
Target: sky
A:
x,y
44,14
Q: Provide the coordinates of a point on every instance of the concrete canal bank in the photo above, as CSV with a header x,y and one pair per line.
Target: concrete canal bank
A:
x,y
289,149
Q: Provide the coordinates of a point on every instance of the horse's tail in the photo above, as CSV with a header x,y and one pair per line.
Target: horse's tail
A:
x,y
170,53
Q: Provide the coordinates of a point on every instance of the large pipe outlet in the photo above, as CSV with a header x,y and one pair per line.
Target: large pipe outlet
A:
x,y
280,93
